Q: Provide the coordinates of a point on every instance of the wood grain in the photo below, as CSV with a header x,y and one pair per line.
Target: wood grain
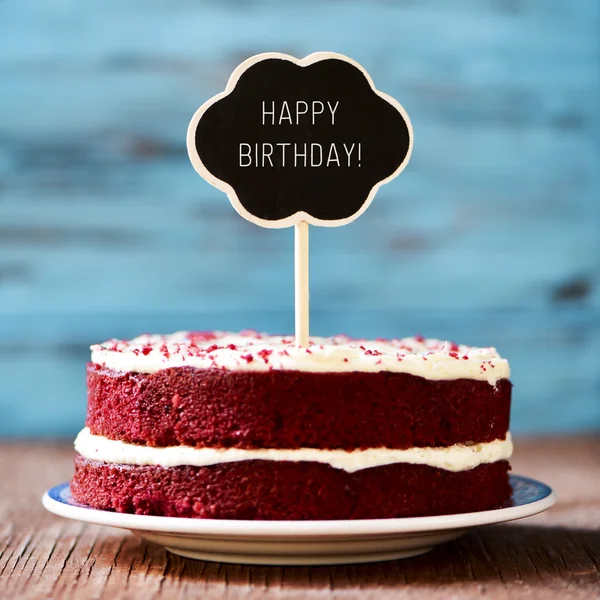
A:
x,y
490,236
553,555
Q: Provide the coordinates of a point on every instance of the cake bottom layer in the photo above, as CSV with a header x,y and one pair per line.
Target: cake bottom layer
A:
x,y
258,489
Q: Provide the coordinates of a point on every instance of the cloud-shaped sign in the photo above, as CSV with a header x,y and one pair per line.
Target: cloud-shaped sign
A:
x,y
300,140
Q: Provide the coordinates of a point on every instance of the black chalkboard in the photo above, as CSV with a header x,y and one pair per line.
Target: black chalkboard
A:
x,y
293,140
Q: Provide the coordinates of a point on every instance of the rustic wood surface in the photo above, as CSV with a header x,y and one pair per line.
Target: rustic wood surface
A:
x,y
553,555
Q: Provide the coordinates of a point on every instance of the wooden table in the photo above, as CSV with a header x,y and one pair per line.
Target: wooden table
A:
x,y
553,555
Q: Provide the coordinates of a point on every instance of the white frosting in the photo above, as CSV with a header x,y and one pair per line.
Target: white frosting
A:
x,y
458,457
250,351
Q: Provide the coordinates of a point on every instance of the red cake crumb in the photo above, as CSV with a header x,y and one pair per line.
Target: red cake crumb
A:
x,y
202,336
293,409
288,490
264,354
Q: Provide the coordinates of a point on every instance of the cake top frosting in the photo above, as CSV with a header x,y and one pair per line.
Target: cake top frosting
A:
x,y
253,351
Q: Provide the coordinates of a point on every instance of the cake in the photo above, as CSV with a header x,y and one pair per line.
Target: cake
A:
x,y
247,426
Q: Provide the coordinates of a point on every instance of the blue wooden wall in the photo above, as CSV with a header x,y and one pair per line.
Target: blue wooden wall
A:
x,y
491,235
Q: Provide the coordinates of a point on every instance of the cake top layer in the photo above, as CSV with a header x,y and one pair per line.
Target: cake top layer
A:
x,y
252,351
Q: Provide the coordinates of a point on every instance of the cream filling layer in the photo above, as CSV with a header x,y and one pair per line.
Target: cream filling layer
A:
x,y
459,457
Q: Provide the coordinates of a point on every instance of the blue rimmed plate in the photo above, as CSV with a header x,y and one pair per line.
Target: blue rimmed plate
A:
x,y
305,542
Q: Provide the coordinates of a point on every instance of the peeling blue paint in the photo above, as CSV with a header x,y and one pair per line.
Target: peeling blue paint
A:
x,y
491,235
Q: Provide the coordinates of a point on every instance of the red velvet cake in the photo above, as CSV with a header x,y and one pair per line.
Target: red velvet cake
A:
x,y
247,426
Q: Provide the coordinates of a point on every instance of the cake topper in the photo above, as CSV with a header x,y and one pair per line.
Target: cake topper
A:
x,y
298,142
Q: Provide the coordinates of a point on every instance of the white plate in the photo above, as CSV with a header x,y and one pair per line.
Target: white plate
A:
x,y
304,542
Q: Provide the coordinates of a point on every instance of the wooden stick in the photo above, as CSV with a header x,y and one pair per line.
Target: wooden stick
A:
x,y
301,281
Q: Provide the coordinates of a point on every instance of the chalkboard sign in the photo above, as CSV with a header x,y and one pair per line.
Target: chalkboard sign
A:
x,y
300,140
